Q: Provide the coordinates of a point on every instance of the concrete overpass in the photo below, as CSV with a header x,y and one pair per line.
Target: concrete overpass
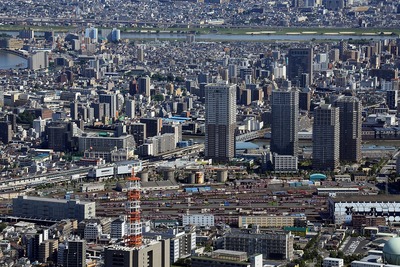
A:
x,y
252,135
15,52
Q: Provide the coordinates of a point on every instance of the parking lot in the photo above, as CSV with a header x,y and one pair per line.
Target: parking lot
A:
x,y
354,245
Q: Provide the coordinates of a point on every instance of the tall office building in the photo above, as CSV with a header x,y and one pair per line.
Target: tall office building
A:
x,y
305,99
92,33
285,122
115,35
75,253
343,47
138,130
350,128
174,128
182,243
300,62
232,71
6,132
335,4
130,108
112,101
133,87
140,54
59,135
326,138
152,254
40,126
144,85
392,98
74,110
153,126
27,34
112,35
220,121
100,110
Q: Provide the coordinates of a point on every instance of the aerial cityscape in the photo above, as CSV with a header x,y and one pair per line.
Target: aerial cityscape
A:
x,y
203,133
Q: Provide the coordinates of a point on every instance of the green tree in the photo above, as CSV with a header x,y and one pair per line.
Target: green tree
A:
x,y
158,77
170,77
179,79
158,97
340,254
26,118
333,254
2,226
184,93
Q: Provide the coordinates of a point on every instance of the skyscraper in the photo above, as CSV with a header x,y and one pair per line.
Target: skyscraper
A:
x,y
115,35
285,122
153,126
92,33
144,85
74,110
300,62
392,98
27,34
326,138
220,121
133,88
130,108
138,130
350,128
140,54
59,135
112,35
112,101
100,110
6,132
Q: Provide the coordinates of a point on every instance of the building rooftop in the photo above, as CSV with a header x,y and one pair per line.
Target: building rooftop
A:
x,y
158,184
54,200
366,198
146,242
392,246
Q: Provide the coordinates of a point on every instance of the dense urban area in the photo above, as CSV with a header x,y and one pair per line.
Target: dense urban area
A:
x,y
199,133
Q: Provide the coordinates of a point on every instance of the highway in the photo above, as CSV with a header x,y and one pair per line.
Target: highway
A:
x,y
84,22
179,152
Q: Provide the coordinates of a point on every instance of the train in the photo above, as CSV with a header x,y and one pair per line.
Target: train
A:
x,y
118,169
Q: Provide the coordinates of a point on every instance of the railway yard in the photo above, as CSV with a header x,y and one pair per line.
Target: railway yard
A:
x,y
224,200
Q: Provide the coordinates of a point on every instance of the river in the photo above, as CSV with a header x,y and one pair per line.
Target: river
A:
x,y
248,37
236,37
302,143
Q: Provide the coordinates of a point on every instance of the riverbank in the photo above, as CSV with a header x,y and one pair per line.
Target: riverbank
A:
x,y
211,29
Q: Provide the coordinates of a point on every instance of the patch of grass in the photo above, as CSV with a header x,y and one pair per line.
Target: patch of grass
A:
x,y
36,28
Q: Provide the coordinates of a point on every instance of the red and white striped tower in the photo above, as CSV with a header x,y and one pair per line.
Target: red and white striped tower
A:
x,y
132,208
